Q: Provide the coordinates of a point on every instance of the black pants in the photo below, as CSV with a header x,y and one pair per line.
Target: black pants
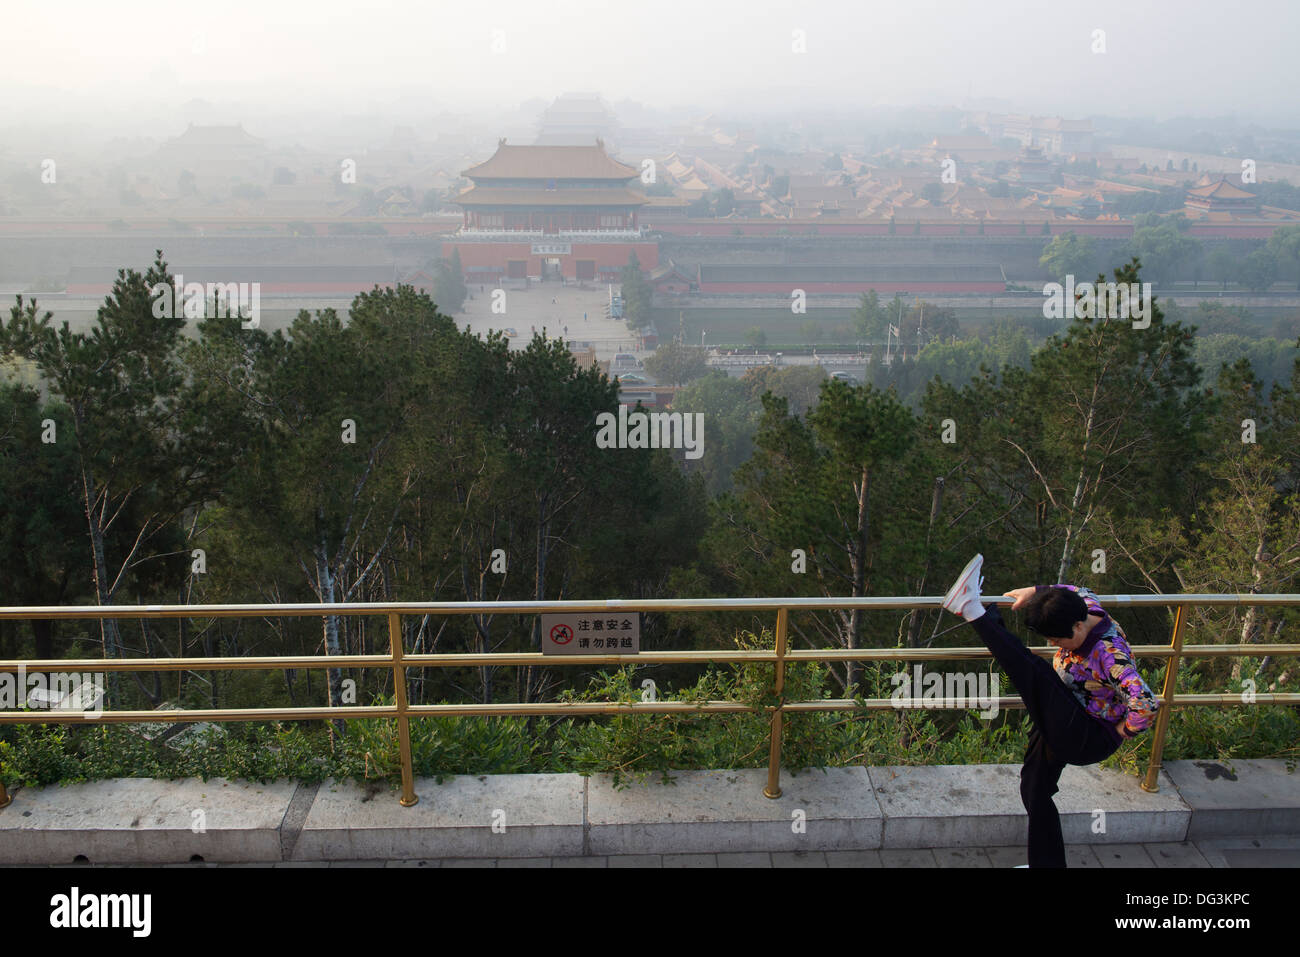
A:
x,y
1063,733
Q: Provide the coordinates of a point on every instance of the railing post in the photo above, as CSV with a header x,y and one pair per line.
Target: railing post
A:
x,y
1152,781
773,789
5,799
408,798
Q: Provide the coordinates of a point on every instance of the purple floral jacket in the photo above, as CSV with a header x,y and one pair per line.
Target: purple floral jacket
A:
x,y
1101,673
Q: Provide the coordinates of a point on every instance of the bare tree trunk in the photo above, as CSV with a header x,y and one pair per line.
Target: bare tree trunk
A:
x,y
1250,622
327,584
858,566
539,593
936,503
107,626
1067,549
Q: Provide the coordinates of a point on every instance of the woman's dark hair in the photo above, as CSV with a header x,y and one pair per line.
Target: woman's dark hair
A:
x,y
1053,612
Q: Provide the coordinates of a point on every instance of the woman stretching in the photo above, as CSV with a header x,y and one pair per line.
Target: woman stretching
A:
x,y
1082,709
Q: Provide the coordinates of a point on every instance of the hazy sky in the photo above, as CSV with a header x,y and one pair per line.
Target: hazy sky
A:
x,y
83,58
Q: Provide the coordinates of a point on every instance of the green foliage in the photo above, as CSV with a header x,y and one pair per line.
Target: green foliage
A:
x,y
677,364
637,295
229,439
1284,247
1069,255
1259,271
449,290
1164,250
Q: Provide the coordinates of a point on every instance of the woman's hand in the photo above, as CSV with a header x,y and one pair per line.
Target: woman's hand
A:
x,y
1021,595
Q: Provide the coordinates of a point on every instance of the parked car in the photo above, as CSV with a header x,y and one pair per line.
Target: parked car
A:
x,y
625,360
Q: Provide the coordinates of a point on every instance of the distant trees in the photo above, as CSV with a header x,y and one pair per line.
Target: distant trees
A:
x,y
1069,255
449,290
42,529
1102,410
1164,250
637,295
247,191
1223,266
819,483
677,364
1166,199
730,417
1284,245
136,430
1259,270
868,318
799,385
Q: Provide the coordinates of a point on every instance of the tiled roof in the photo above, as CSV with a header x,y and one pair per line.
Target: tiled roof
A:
x,y
551,162
1221,190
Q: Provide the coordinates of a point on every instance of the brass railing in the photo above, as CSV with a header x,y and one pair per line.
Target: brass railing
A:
x,y
399,662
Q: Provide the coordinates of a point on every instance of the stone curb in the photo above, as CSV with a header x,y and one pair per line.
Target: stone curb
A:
x,y
133,820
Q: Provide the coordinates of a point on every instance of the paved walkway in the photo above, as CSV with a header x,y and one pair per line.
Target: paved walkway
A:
x,y
1281,851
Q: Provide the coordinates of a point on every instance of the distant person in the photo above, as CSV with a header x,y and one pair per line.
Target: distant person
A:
x,y
584,317
1083,706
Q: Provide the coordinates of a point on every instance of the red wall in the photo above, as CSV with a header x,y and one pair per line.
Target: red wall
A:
x,y
884,289
268,288
1105,230
607,256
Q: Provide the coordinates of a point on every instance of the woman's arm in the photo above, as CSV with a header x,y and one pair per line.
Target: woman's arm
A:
x,y
1021,595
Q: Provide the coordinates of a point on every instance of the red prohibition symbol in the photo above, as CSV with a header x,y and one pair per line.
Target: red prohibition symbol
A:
x,y
561,634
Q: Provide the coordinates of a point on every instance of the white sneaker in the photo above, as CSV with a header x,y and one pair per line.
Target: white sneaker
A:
x,y
967,589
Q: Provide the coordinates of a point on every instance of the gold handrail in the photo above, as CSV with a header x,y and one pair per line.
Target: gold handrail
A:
x,y
399,662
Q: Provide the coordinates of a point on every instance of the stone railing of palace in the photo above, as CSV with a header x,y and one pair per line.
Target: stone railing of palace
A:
x,y
572,235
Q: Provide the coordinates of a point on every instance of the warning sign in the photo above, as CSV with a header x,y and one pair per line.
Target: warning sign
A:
x,y
592,634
